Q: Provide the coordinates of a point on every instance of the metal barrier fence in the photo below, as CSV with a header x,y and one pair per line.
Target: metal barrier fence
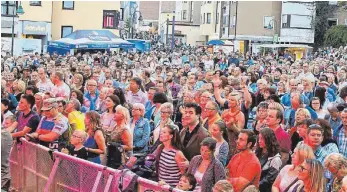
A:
x,y
34,168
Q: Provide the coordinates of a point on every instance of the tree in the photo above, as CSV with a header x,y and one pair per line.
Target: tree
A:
x,y
336,36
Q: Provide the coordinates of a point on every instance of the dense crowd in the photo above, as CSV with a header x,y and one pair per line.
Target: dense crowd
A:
x,y
208,121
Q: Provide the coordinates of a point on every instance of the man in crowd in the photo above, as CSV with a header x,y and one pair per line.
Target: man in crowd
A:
x,y
52,127
27,120
244,167
75,117
194,133
60,89
340,134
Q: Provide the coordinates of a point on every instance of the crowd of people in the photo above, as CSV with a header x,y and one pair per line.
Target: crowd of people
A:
x,y
216,122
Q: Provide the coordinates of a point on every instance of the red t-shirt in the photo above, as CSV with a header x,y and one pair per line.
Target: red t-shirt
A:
x,y
246,165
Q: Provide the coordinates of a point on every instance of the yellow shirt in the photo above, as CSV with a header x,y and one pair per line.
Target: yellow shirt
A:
x,y
77,118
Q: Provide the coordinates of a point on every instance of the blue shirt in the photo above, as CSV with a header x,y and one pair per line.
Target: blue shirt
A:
x,y
341,139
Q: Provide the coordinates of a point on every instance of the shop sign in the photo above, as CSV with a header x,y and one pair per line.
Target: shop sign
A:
x,y
34,28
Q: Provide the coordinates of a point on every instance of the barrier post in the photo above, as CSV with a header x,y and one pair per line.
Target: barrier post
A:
x,y
52,174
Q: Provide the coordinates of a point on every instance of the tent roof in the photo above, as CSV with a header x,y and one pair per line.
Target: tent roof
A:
x,y
92,39
215,42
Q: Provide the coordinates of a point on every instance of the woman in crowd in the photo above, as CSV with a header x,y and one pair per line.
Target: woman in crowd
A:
x,y
321,94
205,167
158,100
139,128
170,161
300,115
287,179
316,105
223,186
107,118
38,102
219,133
268,154
328,142
77,94
281,89
311,173
95,143
261,115
18,88
119,139
166,111
105,91
77,82
5,112
336,163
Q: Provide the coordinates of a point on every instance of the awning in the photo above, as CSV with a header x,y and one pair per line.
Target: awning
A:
x,y
285,46
215,42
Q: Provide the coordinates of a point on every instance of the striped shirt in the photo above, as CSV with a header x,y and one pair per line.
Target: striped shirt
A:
x,y
341,139
168,168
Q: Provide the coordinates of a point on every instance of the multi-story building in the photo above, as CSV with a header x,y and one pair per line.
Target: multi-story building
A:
x,y
69,16
32,30
43,21
210,22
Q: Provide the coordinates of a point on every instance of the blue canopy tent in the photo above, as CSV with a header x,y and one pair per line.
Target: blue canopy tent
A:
x,y
88,39
215,42
141,45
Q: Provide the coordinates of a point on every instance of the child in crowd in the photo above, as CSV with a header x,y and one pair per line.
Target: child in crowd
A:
x,y
76,148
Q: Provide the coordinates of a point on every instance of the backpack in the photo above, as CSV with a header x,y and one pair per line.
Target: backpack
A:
x,y
132,185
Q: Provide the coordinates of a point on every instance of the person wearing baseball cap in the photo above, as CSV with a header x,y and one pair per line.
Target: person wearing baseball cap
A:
x,y
52,126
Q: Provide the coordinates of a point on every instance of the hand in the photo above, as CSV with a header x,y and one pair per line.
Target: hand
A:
x,y
162,182
183,164
64,150
34,135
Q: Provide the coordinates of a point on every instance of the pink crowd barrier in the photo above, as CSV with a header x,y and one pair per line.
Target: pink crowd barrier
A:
x,y
34,169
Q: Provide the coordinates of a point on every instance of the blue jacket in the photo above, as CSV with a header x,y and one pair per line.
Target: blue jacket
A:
x,y
289,116
286,100
141,135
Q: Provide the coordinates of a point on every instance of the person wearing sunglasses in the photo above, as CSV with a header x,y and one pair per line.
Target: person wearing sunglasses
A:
x,y
311,173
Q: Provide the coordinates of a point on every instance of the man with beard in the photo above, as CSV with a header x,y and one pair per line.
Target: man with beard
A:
x,y
244,168
174,87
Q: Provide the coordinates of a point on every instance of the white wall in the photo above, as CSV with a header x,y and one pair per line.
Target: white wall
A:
x,y
19,44
302,16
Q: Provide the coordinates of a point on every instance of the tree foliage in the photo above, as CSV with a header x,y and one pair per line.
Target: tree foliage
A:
x,y
323,12
336,36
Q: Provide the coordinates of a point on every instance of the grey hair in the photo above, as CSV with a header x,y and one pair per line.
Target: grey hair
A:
x,y
140,106
167,105
76,103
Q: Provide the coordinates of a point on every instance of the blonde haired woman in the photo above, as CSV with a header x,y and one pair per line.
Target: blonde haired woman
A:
x,y
300,115
77,82
166,110
287,179
119,140
311,173
18,88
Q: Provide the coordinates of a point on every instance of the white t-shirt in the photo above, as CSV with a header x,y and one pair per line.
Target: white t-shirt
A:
x,y
61,91
45,86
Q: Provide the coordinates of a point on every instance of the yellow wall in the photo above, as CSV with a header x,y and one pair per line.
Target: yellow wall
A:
x,y
86,15
37,13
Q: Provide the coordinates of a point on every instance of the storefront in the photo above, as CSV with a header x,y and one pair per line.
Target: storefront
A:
x,y
35,36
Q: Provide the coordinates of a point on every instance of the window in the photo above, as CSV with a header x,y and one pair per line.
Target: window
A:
x,y
225,19
209,1
285,21
185,1
224,10
204,18
35,3
110,19
184,15
332,22
208,19
332,2
217,18
223,31
268,22
9,8
68,5
66,30
346,22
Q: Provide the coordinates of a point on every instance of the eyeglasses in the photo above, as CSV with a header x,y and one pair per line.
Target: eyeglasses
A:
x,y
92,85
165,112
134,109
211,109
75,136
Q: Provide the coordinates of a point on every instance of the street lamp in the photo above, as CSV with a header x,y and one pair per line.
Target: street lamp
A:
x,y
20,11
132,21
